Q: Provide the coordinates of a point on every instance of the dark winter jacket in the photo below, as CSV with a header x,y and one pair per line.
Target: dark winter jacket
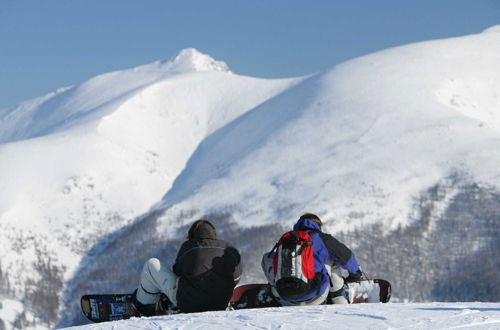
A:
x,y
209,269
326,247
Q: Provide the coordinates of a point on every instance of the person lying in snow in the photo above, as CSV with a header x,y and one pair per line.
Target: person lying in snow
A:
x,y
202,278
307,266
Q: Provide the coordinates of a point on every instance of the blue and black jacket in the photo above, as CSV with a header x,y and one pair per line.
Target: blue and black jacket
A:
x,y
326,247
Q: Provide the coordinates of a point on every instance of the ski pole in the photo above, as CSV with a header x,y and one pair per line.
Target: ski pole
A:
x,y
365,274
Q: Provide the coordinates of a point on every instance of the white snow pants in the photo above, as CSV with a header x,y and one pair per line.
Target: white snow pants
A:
x,y
155,278
336,276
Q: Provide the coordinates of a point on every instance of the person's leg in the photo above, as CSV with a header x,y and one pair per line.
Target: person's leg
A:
x,y
156,279
337,292
313,302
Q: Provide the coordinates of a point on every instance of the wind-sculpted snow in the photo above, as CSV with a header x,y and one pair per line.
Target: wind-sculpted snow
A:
x,y
434,316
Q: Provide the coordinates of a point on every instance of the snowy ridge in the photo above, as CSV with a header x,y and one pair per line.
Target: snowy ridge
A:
x,y
122,139
362,316
96,97
103,152
191,59
383,148
494,29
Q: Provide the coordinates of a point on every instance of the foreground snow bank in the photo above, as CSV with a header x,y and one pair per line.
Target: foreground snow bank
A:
x,y
363,316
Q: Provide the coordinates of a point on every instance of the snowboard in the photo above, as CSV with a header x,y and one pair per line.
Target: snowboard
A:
x,y
108,307
113,307
259,295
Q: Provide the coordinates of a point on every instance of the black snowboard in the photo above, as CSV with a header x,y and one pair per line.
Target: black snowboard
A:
x,y
112,307
108,307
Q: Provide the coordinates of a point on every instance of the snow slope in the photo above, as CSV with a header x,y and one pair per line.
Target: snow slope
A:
x,y
134,128
362,316
86,160
358,143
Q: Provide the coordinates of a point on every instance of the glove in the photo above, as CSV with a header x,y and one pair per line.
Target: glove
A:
x,y
354,277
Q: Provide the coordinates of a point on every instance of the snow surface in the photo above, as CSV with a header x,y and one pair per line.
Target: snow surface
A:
x,y
9,309
360,316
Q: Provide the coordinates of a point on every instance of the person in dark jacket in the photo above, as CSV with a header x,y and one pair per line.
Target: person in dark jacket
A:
x,y
332,259
202,278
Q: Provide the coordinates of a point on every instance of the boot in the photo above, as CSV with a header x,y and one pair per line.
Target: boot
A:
x,y
165,307
143,309
337,297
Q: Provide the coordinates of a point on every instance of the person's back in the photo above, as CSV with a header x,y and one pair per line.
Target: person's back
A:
x,y
327,253
208,268
203,277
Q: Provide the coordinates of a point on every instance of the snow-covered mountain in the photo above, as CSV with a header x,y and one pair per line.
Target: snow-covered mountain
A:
x,y
365,137
393,143
87,160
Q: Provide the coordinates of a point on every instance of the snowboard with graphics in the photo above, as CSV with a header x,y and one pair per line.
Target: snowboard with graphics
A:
x,y
112,307
108,307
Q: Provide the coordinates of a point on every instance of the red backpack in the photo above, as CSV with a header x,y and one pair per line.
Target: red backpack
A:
x,y
293,265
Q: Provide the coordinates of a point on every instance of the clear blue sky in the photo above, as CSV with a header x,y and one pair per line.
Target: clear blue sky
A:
x,y
47,44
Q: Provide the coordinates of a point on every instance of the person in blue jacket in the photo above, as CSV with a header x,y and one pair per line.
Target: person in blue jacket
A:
x,y
333,262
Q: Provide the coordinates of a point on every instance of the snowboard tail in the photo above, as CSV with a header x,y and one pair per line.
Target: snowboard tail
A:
x,y
369,291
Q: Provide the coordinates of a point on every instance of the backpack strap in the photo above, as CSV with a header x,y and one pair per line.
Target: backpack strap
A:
x,y
298,238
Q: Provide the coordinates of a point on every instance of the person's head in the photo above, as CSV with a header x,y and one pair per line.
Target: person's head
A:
x,y
202,229
312,217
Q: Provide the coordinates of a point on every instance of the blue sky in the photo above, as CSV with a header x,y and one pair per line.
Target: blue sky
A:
x,y
48,44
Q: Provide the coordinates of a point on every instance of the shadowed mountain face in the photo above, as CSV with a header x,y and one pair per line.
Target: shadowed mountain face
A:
x,y
384,148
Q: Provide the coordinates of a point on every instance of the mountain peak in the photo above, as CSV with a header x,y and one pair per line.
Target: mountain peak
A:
x,y
190,59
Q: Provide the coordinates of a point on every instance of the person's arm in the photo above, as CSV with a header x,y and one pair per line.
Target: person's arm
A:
x,y
341,255
238,268
233,262
177,267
